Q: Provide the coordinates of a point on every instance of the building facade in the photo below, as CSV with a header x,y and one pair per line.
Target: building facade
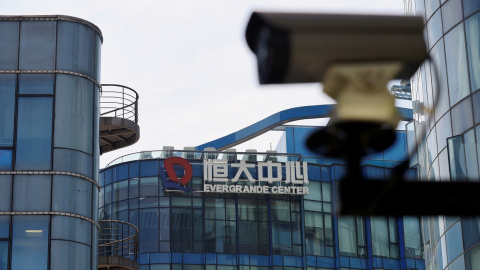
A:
x,y
49,142
450,151
195,228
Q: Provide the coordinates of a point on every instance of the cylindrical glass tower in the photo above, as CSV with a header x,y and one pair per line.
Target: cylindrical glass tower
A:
x,y
451,151
49,112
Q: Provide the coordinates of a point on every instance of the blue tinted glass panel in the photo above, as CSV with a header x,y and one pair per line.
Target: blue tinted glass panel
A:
x,y
30,240
470,6
98,57
4,227
37,45
471,155
133,169
451,14
462,111
7,107
148,168
434,27
31,192
72,195
74,113
471,231
35,83
5,192
454,241
69,255
444,131
9,45
458,83
149,228
70,228
440,89
34,133
65,160
4,255
472,30
76,48
456,156
6,160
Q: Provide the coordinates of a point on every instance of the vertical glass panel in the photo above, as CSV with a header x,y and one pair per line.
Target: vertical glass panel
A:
x,y
472,30
5,192
9,45
4,255
121,190
76,48
444,130
98,57
454,241
380,243
471,231
66,160
456,156
34,134
36,83
73,229
7,105
133,188
463,114
444,172
69,255
440,89
315,191
149,228
413,243
470,6
30,240
471,156
314,240
148,186
431,6
4,227
31,192
411,142
472,259
457,64
432,144
434,27
74,113
72,195
451,14
347,236
37,45
181,228
326,191
6,163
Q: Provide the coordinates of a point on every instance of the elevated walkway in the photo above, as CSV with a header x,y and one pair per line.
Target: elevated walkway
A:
x,y
118,117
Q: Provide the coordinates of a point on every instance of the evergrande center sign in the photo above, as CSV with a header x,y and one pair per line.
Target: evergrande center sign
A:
x,y
290,177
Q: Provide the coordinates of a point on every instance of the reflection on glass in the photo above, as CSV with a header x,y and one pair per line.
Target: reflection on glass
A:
x,y
35,83
456,64
440,90
456,156
37,45
7,106
434,27
30,240
462,112
472,30
9,44
34,133
451,14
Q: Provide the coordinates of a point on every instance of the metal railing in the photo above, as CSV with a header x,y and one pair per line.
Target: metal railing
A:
x,y
118,238
119,101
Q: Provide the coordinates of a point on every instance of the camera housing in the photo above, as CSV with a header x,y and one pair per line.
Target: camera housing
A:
x,y
299,47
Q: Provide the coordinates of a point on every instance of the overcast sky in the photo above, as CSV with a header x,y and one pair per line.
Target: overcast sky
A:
x,y
190,64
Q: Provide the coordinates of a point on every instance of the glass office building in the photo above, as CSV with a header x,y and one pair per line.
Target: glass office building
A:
x,y
237,230
49,112
450,151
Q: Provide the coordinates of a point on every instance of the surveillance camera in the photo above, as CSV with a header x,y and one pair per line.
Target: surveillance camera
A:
x,y
296,47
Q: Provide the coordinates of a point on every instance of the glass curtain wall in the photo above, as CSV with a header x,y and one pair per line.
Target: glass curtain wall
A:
x,y
49,88
450,151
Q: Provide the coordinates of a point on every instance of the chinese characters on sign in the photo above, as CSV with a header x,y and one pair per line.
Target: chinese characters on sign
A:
x,y
287,179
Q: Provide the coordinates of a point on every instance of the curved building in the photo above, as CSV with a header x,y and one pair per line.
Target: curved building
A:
x,y
49,142
211,210
450,151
